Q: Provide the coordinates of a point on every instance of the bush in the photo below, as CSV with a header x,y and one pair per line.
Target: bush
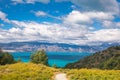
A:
x,y
6,58
39,57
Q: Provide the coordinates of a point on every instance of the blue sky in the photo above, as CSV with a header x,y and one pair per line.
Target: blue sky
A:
x,y
78,22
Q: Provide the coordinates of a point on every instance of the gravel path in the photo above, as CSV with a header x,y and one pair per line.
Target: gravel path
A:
x,y
61,76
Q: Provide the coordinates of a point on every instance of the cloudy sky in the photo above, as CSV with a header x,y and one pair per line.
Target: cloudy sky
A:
x,y
78,22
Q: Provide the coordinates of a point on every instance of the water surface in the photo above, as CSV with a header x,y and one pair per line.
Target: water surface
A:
x,y
54,58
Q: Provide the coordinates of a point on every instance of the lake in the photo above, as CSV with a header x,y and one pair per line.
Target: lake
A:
x,y
54,58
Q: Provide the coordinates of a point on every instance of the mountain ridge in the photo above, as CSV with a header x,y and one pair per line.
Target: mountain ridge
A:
x,y
35,45
106,59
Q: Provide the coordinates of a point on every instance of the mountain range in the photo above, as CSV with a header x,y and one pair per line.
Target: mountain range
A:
x,y
53,47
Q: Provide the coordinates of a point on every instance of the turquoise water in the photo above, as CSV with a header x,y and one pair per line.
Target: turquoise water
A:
x,y
54,58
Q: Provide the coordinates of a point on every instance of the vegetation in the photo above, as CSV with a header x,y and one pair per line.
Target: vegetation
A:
x,y
93,74
39,57
6,58
54,66
31,71
26,71
106,59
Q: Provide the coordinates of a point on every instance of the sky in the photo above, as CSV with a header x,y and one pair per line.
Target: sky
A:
x,y
80,22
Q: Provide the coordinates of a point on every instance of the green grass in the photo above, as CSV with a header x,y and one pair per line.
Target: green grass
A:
x,y
26,71
93,74
30,71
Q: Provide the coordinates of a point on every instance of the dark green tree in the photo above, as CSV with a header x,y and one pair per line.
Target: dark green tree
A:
x,y
39,57
6,58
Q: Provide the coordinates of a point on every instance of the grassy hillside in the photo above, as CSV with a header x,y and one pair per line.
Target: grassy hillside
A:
x,y
93,74
30,71
106,59
26,71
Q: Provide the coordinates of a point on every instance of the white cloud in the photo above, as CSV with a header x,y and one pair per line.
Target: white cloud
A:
x,y
110,24
104,35
3,16
111,6
42,1
72,30
30,31
40,13
77,17
17,1
42,31
29,1
86,17
99,15
14,30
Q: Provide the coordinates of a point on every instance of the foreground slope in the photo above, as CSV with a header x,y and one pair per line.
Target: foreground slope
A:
x,y
26,71
30,71
93,74
106,59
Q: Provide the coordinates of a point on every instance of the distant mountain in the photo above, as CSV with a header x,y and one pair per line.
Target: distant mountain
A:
x,y
106,59
34,45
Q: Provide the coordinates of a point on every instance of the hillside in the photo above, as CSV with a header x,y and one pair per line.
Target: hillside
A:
x,y
26,71
106,59
30,71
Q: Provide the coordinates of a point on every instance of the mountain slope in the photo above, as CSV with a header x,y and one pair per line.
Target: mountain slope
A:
x,y
106,59
53,47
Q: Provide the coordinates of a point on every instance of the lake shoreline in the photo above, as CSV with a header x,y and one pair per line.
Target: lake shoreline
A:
x,y
59,59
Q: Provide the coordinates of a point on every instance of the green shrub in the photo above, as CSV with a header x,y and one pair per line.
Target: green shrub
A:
x,y
6,58
39,57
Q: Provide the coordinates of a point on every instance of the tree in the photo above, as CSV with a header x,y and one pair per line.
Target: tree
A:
x,y
39,57
6,58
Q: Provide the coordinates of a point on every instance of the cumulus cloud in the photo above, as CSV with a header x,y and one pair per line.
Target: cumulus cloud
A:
x,y
104,35
76,29
77,17
97,5
29,1
52,32
87,17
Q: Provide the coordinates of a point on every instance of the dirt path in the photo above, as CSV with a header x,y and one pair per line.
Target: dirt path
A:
x,y
61,76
